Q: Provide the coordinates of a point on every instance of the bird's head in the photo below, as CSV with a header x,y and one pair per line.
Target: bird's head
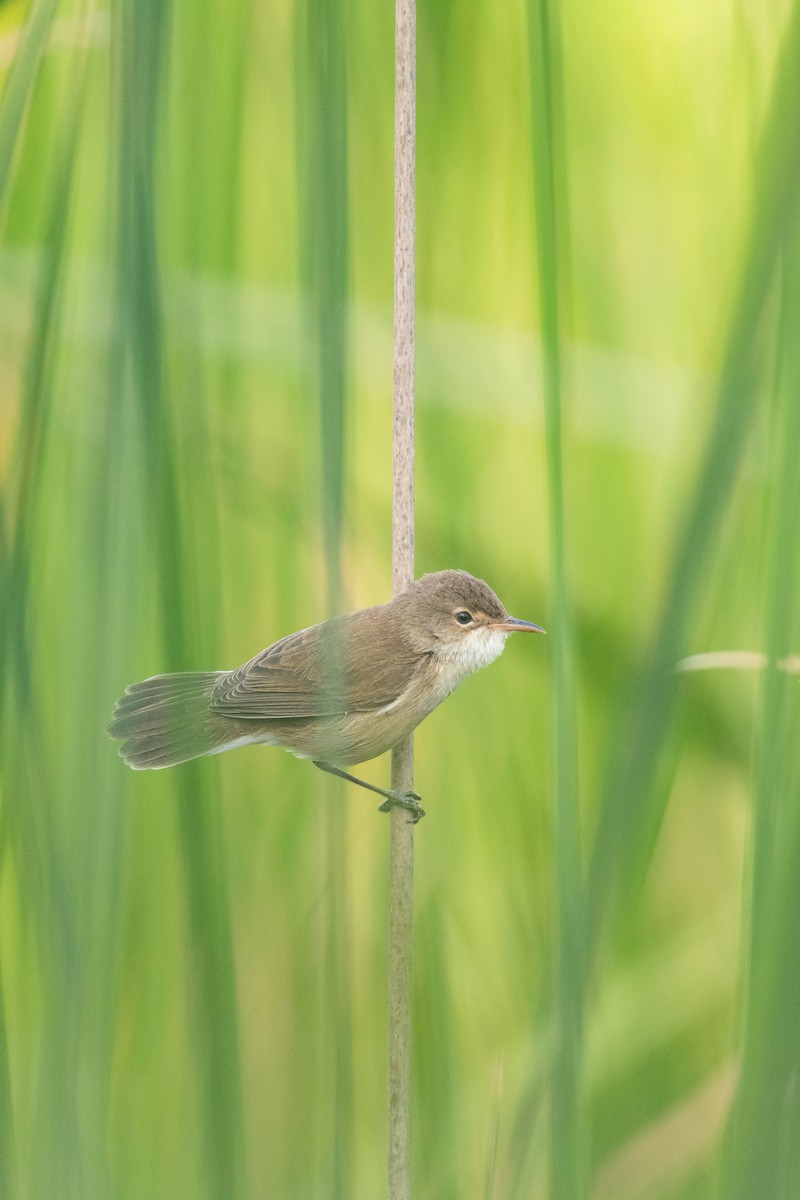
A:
x,y
459,620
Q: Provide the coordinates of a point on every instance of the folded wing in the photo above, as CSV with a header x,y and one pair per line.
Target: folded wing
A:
x,y
356,663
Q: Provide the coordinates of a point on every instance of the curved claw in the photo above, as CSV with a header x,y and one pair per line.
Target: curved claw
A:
x,y
407,800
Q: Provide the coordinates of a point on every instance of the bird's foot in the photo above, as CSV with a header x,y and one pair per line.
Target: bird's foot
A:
x,y
407,800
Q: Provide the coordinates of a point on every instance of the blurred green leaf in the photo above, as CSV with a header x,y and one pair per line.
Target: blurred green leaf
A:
x,y
195,459
568,1134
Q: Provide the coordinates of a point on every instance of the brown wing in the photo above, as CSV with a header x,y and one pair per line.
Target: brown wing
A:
x,y
350,664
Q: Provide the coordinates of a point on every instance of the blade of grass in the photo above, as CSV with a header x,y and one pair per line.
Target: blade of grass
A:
x,y
635,789
568,1122
20,83
32,798
322,169
8,1156
434,1090
8,1173
329,243
762,1129
141,40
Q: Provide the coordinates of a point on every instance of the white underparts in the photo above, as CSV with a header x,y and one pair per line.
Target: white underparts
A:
x,y
476,649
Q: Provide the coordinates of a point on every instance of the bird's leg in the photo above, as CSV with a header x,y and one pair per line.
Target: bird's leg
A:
x,y
408,800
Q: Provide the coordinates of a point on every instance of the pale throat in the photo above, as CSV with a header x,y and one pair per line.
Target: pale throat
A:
x,y
476,649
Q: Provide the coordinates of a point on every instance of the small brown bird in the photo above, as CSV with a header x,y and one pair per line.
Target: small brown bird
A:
x,y
339,693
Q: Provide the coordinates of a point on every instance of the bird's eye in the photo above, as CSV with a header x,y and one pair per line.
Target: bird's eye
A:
x,y
463,617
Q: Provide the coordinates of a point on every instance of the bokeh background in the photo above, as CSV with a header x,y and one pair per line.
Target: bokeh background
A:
x,y
195,431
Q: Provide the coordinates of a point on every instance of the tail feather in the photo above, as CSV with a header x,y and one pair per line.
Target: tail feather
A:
x,y
167,720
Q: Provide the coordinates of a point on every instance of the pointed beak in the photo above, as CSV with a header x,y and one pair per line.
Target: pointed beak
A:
x,y
514,625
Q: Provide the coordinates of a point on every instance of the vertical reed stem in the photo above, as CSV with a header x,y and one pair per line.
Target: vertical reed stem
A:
x,y
401,868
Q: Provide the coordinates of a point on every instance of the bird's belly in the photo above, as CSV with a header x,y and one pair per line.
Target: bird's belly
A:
x,y
362,736
354,738
359,736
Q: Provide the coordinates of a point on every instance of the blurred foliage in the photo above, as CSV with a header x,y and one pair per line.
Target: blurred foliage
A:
x,y
195,438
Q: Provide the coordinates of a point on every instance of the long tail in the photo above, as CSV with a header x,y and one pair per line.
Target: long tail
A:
x,y
167,720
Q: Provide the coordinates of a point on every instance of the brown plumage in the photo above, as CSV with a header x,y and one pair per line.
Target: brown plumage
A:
x,y
340,692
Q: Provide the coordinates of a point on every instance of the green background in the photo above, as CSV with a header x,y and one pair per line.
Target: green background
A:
x,y
195,431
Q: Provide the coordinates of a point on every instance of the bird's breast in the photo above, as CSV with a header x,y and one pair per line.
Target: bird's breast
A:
x,y
360,735
477,649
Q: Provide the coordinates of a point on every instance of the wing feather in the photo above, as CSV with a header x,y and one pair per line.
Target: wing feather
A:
x,y
356,663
